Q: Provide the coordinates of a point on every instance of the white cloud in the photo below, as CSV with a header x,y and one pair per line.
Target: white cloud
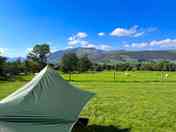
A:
x,y
81,35
141,45
3,51
134,31
127,46
73,43
89,46
167,43
105,47
139,34
101,34
122,32
77,39
100,46
164,43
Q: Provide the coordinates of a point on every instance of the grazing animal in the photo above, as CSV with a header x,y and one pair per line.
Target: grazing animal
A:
x,y
166,75
126,74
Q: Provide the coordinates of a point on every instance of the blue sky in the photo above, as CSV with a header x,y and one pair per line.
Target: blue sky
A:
x,y
103,24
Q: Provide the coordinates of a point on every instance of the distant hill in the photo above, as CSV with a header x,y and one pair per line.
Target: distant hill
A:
x,y
12,59
114,56
92,53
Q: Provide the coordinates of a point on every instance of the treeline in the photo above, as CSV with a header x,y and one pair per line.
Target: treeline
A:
x,y
70,62
138,66
35,61
9,70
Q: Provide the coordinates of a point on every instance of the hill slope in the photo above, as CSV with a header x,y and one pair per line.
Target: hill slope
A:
x,y
101,56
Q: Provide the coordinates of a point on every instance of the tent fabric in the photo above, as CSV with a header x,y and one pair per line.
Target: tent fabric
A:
x,y
48,103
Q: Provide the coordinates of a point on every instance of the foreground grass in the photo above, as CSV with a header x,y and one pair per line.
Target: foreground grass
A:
x,y
135,102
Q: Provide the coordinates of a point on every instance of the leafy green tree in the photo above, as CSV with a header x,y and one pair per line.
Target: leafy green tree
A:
x,y
69,63
2,65
32,66
11,69
84,64
39,54
98,67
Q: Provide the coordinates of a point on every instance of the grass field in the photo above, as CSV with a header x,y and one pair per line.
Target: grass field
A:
x,y
133,102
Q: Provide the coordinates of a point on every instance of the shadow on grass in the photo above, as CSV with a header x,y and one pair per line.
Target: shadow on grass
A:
x,y
98,128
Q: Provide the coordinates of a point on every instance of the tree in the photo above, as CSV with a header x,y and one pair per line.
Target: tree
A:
x,y
84,64
2,65
39,54
98,67
31,66
69,63
16,67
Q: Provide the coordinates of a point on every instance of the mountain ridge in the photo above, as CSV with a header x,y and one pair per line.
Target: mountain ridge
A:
x,y
114,56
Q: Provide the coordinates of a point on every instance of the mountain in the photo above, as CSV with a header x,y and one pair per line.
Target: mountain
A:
x,y
12,59
92,53
114,56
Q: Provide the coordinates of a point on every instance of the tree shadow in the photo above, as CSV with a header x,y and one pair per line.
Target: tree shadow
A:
x,y
99,128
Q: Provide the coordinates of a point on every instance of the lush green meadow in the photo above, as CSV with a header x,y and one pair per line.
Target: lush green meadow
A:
x,y
134,102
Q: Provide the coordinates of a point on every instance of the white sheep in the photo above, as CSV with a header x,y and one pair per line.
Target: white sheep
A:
x,y
126,73
166,75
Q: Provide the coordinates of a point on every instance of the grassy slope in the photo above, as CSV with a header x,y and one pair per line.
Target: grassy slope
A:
x,y
139,102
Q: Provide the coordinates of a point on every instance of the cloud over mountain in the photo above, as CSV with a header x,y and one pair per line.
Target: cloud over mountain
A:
x,y
164,43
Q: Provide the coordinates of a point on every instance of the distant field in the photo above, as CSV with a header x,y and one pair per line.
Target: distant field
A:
x,y
133,102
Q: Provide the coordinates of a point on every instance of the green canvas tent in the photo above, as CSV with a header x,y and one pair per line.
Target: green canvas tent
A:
x,y
46,104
